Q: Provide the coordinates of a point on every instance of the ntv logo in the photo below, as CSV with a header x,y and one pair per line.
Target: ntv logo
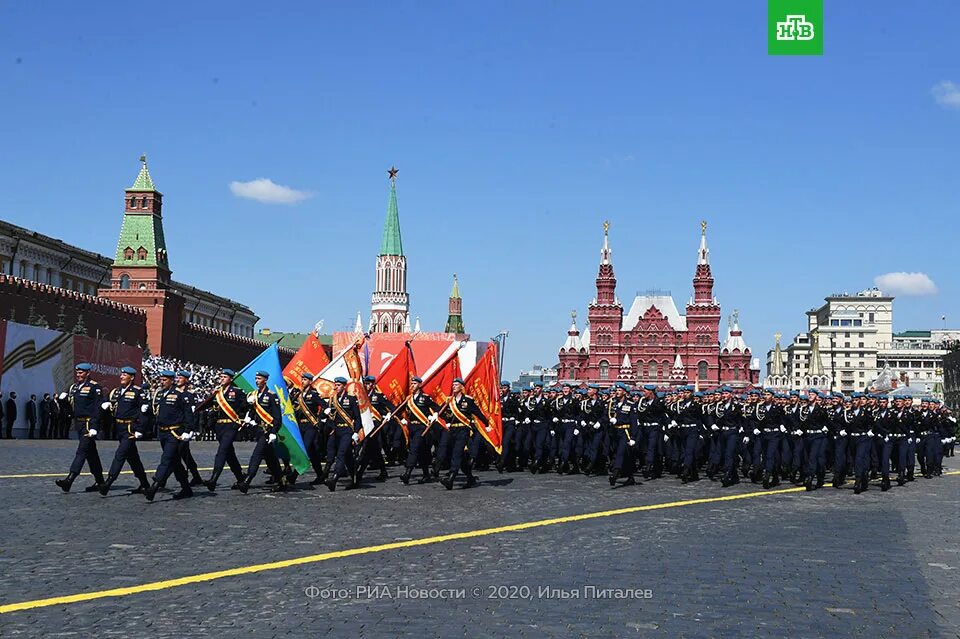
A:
x,y
795,27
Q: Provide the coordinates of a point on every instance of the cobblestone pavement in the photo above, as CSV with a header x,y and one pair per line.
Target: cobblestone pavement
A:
x,y
822,564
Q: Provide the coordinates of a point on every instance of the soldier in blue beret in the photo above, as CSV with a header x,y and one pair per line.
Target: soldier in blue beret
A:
x,y
182,381
174,418
267,415
308,407
129,405
229,416
85,397
344,413
462,416
417,416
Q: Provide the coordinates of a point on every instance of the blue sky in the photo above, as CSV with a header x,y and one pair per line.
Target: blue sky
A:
x,y
518,128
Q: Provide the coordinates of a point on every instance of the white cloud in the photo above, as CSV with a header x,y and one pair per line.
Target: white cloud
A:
x,y
266,191
905,284
947,94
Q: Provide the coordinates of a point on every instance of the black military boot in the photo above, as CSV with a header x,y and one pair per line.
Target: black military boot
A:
x,y
236,485
151,490
471,481
856,486
383,474
864,482
95,486
838,480
184,492
245,484
281,486
66,482
613,477
331,482
105,486
809,485
197,480
821,478
405,477
885,483
630,481
901,478
211,483
447,482
910,475
425,479
142,488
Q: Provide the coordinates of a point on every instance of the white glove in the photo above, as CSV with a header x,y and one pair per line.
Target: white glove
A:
x,y
328,412
62,395
631,442
576,431
843,433
489,429
251,399
248,421
193,409
105,406
672,424
186,437
798,432
92,432
404,422
714,427
613,420
271,438
944,441
783,428
552,433
355,437
583,422
909,440
824,430
756,431
432,417
887,438
556,420
596,425
145,408
526,420
746,440
666,438
870,433
137,434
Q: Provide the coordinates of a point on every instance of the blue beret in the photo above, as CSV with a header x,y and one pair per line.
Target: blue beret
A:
x,y
339,380
306,376
698,394
504,382
183,374
794,393
228,371
416,379
369,378
596,386
858,395
661,395
634,392
538,384
458,380
167,374
129,370
650,387
84,367
263,374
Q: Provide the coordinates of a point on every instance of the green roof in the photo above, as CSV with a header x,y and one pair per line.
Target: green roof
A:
x,y
391,244
912,334
292,340
143,182
141,231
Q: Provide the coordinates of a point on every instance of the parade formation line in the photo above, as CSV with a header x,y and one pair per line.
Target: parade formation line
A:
x,y
60,474
363,550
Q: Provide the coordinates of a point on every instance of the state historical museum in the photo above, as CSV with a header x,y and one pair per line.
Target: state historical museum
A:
x,y
653,342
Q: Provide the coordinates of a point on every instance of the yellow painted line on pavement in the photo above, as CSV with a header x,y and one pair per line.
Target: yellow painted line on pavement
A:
x,y
34,475
364,550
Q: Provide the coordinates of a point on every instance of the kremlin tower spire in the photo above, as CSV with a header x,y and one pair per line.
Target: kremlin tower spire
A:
x,y
455,317
390,309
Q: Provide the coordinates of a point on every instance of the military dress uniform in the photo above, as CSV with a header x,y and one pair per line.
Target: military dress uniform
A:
x,y
459,412
592,417
886,427
228,404
371,450
419,414
344,413
84,400
510,413
652,417
858,423
728,417
173,416
770,424
186,455
622,419
567,426
268,418
537,411
308,407
129,405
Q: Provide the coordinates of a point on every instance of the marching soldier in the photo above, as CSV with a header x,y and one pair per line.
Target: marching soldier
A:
x,y
420,413
183,384
371,450
770,424
174,420
622,418
510,411
568,431
592,416
858,423
308,407
651,415
886,428
267,419
728,418
459,412
813,422
537,416
229,402
85,397
129,405
344,413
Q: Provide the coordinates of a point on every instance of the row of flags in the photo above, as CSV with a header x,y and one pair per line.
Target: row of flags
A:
x,y
483,384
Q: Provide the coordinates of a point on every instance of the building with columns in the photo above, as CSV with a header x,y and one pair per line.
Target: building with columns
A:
x,y
652,342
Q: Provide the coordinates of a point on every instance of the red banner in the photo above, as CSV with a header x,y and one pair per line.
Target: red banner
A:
x,y
394,381
311,358
439,384
483,384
